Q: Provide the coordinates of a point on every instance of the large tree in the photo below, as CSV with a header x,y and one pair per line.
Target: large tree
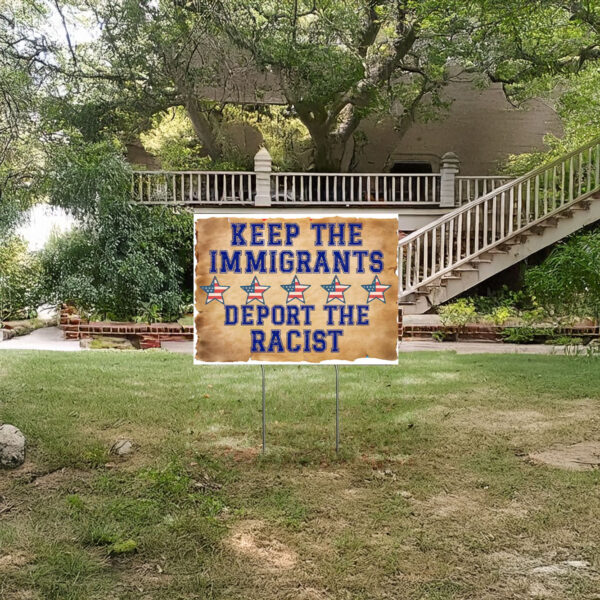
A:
x,y
332,62
21,78
339,62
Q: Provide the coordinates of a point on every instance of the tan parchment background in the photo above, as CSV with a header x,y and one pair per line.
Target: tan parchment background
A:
x,y
217,342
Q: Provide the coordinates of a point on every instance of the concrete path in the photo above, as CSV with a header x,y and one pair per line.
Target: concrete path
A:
x,y
46,338
51,338
179,347
478,347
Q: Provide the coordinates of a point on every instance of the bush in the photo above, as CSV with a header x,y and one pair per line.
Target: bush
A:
x,y
121,259
567,282
139,258
19,271
458,314
519,335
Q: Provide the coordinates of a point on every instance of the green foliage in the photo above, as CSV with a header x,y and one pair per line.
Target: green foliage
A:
x,y
123,547
19,272
458,314
440,336
524,334
91,181
503,297
173,141
501,314
567,282
564,340
285,136
121,259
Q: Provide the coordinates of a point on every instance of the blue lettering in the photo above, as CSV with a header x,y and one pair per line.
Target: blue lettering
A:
x,y
258,340
231,314
237,229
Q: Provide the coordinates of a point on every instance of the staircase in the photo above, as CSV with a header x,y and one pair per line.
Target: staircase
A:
x,y
487,235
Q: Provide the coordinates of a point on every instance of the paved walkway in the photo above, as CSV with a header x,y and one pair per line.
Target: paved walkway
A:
x,y
51,338
46,338
478,347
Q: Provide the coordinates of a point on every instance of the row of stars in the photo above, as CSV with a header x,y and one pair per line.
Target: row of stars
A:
x,y
295,291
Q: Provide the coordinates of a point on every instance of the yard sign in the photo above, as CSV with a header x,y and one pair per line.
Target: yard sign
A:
x,y
294,289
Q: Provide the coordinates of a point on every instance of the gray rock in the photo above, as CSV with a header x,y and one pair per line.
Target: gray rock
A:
x,y
12,447
121,447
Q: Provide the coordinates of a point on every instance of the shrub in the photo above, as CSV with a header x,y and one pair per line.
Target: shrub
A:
x,y
501,314
567,281
120,259
458,314
19,270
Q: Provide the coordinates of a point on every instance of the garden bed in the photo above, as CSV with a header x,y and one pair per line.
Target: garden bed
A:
x,y
146,335
498,333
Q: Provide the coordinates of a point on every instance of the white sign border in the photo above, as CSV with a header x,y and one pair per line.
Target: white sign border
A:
x,y
289,215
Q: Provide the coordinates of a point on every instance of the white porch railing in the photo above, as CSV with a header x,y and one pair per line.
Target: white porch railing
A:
x,y
264,187
354,188
193,187
458,237
469,188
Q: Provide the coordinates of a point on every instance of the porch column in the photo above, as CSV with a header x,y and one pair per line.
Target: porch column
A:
x,y
449,169
262,168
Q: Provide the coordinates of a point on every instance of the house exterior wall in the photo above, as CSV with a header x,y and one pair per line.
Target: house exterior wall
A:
x,y
481,127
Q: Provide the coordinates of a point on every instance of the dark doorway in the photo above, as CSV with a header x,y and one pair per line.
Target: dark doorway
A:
x,y
412,167
416,189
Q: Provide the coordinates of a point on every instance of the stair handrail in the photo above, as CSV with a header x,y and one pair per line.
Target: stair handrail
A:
x,y
503,188
500,192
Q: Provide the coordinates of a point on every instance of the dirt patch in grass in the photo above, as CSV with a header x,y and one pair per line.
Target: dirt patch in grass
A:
x,y
14,560
146,577
545,576
465,506
249,539
584,456
60,478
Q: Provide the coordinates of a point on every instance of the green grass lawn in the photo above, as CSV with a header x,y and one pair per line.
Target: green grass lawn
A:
x,y
432,496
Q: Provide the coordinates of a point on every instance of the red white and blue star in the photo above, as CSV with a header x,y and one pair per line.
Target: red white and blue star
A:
x,y
255,291
335,290
376,290
295,290
215,291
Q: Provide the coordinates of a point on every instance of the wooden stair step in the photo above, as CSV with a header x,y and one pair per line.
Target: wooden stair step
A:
x,y
447,277
477,261
516,240
565,214
466,269
582,205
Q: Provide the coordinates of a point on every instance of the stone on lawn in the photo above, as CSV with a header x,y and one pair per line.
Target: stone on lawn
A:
x,y
12,447
121,447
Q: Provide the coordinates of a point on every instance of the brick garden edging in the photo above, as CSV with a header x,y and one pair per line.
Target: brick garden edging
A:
x,y
491,333
152,335
149,335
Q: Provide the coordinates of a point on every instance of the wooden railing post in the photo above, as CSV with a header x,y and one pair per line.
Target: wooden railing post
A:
x,y
262,167
449,169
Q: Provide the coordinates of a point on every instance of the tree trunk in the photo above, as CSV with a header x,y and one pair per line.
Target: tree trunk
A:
x,y
327,157
203,129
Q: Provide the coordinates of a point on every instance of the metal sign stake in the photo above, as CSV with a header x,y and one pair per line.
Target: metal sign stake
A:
x,y
337,410
264,425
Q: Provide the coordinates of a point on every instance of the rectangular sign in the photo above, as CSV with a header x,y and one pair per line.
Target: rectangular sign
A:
x,y
295,289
